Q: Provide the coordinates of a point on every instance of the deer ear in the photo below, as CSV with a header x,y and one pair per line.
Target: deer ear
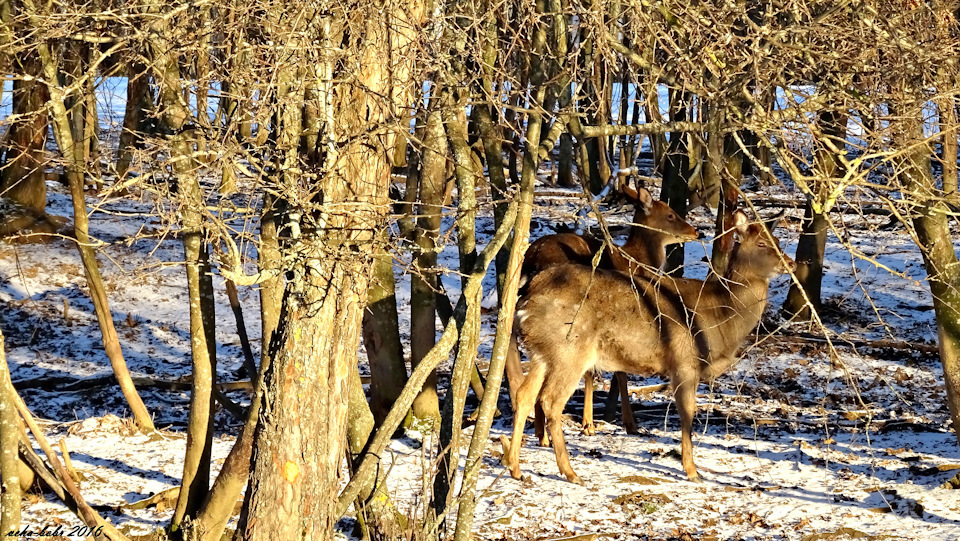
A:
x,y
776,221
740,223
644,200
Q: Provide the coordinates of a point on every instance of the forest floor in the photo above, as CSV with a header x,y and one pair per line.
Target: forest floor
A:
x,y
799,441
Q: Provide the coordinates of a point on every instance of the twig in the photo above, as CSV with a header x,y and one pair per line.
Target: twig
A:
x,y
67,462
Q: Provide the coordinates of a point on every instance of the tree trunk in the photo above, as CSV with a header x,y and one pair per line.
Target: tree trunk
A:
x,y
729,196
933,233
300,438
111,342
423,316
948,157
9,444
381,336
22,178
465,363
813,236
376,512
271,291
675,176
138,102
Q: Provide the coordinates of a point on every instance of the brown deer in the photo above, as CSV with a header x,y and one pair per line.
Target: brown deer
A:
x,y
655,226
574,319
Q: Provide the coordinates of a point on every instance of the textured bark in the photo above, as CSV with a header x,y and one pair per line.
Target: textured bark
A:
x,y
22,176
423,318
9,454
301,434
933,233
138,102
381,337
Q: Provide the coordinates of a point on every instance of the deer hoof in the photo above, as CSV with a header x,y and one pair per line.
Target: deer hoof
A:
x,y
589,429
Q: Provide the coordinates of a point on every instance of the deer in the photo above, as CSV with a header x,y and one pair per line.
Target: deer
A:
x,y
574,319
655,226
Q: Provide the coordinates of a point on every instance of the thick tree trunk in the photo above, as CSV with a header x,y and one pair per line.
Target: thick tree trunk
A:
x,y
22,178
940,259
301,435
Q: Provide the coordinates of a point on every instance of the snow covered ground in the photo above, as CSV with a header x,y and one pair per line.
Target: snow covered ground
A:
x,y
797,442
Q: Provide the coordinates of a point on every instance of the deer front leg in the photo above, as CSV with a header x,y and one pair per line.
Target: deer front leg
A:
x,y
686,397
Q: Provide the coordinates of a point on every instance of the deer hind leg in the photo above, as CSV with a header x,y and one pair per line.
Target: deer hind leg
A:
x,y
629,421
526,398
538,426
588,427
685,390
513,369
557,389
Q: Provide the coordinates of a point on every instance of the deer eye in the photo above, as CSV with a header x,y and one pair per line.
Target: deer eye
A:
x,y
761,244
670,218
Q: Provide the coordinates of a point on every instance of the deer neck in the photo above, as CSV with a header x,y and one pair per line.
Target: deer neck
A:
x,y
646,246
748,292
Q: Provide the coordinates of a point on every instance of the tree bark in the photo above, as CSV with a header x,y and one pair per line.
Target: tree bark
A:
x,y
22,178
138,102
933,235
423,315
381,336
676,173
9,444
301,434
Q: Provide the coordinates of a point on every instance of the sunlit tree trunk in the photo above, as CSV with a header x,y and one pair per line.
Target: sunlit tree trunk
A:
x,y
328,257
933,234
423,318
813,237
